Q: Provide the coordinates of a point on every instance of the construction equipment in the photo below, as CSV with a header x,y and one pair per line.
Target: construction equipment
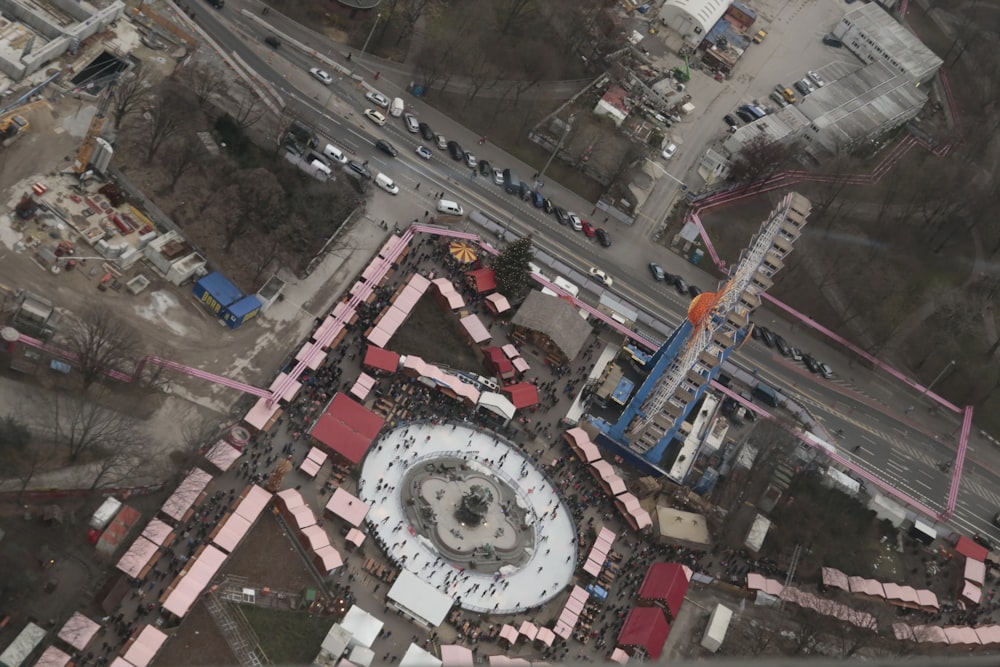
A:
x,y
82,160
683,75
13,124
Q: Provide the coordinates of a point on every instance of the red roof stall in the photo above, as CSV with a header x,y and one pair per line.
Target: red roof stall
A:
x,y
481,280
645,628
118,530
666,584
970,549
381,360
522,394
497,363
347,428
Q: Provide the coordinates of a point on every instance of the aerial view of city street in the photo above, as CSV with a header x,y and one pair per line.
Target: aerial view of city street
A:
x,y
502,332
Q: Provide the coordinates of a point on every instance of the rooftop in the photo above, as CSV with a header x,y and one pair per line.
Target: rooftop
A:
x,y
893,37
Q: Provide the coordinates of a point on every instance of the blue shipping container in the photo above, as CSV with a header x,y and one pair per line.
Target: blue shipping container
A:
x,y
242,311
216,292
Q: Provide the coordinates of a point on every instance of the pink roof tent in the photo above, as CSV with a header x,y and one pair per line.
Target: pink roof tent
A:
x,y
222,455
53,657
528,630
475,329
497,303
381,360
975,571
78,631
350,508
182,595
144,646
313,461
545,636
185,494
835,579
347,428
363,386
355,537
453,655
619,656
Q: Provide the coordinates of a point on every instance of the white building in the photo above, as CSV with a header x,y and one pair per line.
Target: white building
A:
x,y
693,18
875,36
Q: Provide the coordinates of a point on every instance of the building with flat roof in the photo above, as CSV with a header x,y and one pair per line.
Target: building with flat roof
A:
x,y
875,36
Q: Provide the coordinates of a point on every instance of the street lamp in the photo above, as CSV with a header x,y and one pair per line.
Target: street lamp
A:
x,y
569,126
669,175
371,32
939,376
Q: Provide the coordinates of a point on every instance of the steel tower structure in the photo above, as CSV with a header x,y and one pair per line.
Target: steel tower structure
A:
x,y
717,323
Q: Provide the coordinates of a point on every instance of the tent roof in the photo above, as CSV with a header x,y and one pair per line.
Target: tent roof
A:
x,y
78,631
646,627
383,360
364,627
557,319
145,646
420,598
416,656
348,507
497,403
347,428
667,582
454,655
522,394
970,549
496,360
483,279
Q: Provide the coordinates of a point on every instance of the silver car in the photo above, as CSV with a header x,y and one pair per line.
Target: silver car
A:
x,y
321,75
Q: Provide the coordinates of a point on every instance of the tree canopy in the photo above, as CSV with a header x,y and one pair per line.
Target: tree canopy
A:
x,y
510,267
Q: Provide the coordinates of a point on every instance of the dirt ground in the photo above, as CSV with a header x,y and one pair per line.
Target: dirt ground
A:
x,y
266,545
197,642
434,335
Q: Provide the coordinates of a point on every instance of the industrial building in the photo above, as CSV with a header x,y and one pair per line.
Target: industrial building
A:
x,y
36,33
875,36
692,18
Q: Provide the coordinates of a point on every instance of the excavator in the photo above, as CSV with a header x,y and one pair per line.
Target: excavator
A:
x,y
13,124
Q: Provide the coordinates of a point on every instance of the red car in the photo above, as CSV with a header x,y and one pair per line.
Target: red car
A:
x,y
589,229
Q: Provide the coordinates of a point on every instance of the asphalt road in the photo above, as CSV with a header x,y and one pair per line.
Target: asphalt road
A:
x,y
892,446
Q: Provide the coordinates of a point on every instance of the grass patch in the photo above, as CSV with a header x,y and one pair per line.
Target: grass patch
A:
x,y
433,335
287,637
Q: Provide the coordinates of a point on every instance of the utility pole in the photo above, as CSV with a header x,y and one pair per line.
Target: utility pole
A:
x,y
939,376
569,126
371,32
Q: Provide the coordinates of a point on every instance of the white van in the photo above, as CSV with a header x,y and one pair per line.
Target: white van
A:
x,y
449,207
387,184
321,168
335,154
397,107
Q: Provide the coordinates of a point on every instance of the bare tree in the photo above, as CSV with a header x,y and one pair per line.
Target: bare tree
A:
x,y
249,109
102,343
183,155
758,158
84,427
164,119
253,198
20,456
511,12
204,81
129,96
412,12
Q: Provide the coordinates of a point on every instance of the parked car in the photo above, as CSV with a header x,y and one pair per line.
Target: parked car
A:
x,y
983,541
803,87
680,285
273,42
603,237
810,363
537,200
816,78
782,346
731,122
575,222
470,160
375,117
830,40
694,290
441,142
601,277
359,169
424,152
760,36
562,215
825,370
426,132
411,123
485,169
755,332
455,150
524,191
386,148
657,271
669,150
498,176
795,354
548,206
321,75
766,337
745,116
589,230
377,98
778,99
785,92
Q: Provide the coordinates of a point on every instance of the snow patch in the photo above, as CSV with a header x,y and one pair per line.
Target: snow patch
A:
x,y
158,311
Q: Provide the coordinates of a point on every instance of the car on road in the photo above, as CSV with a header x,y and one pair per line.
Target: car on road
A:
x,y
424,152
386,148
589,230
601,277
731,122
575,222
603,237
411,123
359,169
782,346
816,78
426,132
387,184
485,169
537,200
810,363
470,160
825,370
680,285
760,36
657,271
498,176
830,40
375,117
321,75
548,206
562,215
273,42
455,150
669,150
694,290
377,98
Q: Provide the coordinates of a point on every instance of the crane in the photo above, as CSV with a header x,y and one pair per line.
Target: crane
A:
x,y
82,160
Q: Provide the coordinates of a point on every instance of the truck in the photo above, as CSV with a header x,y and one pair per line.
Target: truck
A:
x,y
718,625
105,513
